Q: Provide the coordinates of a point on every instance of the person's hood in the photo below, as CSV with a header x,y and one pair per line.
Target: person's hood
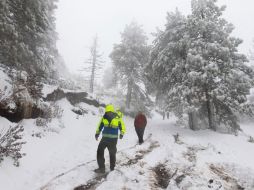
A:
x,y
109,108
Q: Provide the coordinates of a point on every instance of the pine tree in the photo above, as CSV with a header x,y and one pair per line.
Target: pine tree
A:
x,y
223,78
8,34
166,69
28,37
206,76
251,55
129,58
34,87
11,144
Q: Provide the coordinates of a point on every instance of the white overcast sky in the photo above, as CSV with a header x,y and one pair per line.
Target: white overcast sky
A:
x,y
78,21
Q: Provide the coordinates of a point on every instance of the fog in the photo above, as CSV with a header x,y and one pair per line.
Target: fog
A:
x,y
78,21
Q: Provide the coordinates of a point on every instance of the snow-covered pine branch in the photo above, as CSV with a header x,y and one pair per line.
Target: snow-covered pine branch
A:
x,y
11,144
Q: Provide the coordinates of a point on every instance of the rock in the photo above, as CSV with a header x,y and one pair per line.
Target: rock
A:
x,y
73,97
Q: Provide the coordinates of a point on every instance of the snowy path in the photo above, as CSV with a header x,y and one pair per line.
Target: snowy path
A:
x,y
198,160
123,160
159,159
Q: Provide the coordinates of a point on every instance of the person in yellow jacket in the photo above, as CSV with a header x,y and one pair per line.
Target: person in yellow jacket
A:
x,y
120,116
109,125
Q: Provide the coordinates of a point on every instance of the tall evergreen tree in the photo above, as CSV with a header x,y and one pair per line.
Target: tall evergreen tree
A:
x,y
129,58
165,70
207,76
27,35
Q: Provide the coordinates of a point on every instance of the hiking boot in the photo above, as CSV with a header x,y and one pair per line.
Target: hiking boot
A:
x,y
100,170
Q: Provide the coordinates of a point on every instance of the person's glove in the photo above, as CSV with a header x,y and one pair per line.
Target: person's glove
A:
x,y
96,136
120,136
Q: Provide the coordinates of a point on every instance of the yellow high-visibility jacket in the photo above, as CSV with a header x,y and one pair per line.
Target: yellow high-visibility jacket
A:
x,y
110,124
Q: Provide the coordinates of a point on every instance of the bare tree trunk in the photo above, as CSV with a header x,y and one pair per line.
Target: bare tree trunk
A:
x,y
94,61
193,121
192,118
92,78
129,93
210,112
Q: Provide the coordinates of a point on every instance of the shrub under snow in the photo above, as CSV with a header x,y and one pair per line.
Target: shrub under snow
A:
x,y
11,144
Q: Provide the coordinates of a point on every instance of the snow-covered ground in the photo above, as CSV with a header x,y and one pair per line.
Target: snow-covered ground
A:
x,y
64,158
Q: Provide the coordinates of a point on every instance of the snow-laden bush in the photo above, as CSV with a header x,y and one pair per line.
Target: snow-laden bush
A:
x,y
182,121
50,112
67,84
80,111
11,144
251,139
41,122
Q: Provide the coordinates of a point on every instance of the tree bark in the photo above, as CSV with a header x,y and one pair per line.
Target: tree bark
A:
x,y
193,121
129,94
192,117
94,61
210,112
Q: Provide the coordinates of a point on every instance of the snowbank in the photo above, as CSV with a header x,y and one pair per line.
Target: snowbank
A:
x,y
65,157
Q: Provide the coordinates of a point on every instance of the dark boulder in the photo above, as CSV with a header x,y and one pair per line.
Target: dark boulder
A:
x,y
73,97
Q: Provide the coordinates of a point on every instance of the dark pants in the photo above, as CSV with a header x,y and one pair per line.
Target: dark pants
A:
x,y
140,132
111,145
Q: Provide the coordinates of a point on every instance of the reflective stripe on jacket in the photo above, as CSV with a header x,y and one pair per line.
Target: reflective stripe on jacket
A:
x,y
110,124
